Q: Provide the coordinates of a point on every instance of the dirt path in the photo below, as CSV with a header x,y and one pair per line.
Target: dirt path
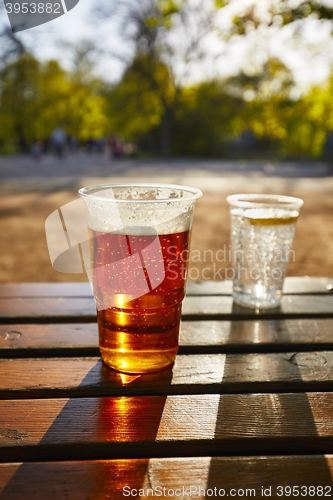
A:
x,y
25,256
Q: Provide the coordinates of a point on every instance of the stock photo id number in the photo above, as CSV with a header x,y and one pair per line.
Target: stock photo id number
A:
x,y
24,15
33,8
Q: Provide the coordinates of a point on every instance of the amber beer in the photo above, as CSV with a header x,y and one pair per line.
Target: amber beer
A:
x,y
139,238
138,335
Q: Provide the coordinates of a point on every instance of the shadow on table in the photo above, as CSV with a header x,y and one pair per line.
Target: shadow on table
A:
x,y
285,420
93,430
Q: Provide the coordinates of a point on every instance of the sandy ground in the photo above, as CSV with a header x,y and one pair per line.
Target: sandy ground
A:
x,y
25,256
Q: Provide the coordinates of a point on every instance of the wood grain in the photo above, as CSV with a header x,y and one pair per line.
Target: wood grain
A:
x,y
81,339
158,426
15,290
62,309
73,339
250,401
56,308
107,478
214,307
196,374
90,377
256,336
292,285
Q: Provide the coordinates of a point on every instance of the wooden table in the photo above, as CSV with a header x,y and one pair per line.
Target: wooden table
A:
x,y
247,410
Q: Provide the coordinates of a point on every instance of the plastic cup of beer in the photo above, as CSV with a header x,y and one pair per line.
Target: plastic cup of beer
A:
x,y
262,232
139,241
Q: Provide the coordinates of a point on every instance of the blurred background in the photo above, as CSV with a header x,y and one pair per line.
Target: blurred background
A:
x,y
229,96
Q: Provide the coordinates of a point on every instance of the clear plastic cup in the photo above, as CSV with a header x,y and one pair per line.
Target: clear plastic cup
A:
x,y
262,232
139,237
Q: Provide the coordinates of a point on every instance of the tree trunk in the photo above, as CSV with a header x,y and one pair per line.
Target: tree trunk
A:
x,y
165,130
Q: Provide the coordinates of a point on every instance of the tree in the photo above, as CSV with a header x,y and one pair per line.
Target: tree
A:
x,y
11,47
35,98
207,119
164,37
138,103
310,122
66,100
279,13
268,97
19,95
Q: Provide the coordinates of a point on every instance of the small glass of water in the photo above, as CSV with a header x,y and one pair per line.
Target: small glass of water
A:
x,y
262,232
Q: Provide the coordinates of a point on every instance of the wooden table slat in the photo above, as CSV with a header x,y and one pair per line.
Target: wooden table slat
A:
x,y
159,426
81,339
95,479
70,289
197,374
292,285
291,306
248,403
60,309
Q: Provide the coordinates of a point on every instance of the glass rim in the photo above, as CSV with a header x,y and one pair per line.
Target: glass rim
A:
x,y
87,192
264,200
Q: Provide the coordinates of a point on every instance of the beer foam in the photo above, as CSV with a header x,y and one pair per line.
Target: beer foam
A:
x,y
141,211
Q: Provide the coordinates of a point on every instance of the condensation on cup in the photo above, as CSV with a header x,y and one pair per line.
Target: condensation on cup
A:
x,y
262,232
137,235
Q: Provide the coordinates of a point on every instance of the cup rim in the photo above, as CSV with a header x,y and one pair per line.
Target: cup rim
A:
x,y
84,192
264,200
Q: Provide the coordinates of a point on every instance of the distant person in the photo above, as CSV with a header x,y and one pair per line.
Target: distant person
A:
x,y
328,147
37,150
117,148
73,144
100,145
90,144
58,138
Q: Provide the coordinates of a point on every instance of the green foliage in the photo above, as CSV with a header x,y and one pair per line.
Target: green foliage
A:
x,y
162,14
144,97
168,8
205,120
19,92
147,107
35,98
150,107
279,12
219,4
319,8
309,122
